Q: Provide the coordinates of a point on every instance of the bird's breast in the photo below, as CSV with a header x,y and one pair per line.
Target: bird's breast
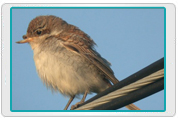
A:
x,y
67,72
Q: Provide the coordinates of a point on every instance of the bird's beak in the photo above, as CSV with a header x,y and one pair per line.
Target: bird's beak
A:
x,y
27,40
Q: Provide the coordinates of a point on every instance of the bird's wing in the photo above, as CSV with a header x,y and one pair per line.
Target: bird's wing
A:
x,y
83,46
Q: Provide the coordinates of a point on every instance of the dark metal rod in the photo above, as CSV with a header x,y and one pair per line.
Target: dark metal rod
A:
x,y
134,77
133,96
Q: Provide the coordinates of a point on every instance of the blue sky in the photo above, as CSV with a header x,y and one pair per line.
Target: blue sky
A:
x,y
130,39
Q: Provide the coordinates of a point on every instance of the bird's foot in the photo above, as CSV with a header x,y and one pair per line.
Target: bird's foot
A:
x,y
76,105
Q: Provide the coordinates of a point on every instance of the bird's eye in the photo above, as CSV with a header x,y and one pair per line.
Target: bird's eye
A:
x,y
38,32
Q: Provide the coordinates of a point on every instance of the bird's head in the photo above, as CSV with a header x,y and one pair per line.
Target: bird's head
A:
x,y
46,27
41,28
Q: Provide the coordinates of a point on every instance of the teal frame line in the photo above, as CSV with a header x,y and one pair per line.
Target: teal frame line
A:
x,y
88,110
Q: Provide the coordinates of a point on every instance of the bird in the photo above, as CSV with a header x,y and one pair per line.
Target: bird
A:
x,y
66,60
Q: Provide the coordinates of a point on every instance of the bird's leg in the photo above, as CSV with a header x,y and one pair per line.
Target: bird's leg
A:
x,y
70,100
82,101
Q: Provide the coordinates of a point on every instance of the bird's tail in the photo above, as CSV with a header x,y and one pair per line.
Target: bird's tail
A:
x,y
132,107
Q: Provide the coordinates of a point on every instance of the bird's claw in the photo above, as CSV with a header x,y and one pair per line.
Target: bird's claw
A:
x,y
76,105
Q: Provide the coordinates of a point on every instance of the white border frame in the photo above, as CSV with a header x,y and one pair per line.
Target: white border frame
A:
x,y
170,62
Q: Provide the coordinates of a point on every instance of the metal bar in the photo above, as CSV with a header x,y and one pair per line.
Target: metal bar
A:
x,y
134,77
133,96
